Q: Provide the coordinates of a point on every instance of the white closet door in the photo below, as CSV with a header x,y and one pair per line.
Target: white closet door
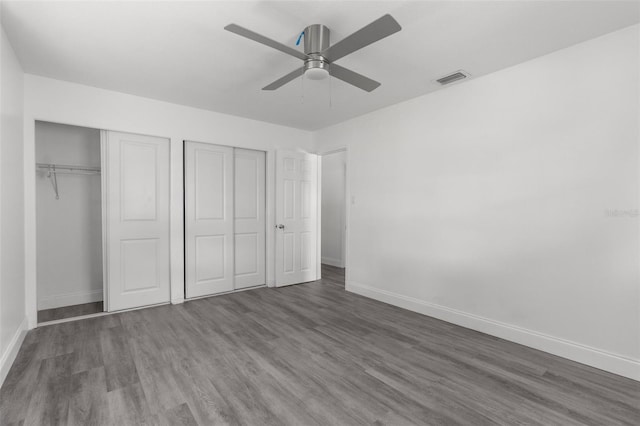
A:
x,y
137,220
250,220
208,218
296,217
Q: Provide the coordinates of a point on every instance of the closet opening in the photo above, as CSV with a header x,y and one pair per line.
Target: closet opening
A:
x,y
69,250
225,219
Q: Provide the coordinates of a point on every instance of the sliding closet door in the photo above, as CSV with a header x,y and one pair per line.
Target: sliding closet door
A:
x,y
208,218
250,223
137,220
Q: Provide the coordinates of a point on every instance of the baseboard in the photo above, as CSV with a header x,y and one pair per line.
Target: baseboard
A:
x,y
333,262
583,354
69,299
11,352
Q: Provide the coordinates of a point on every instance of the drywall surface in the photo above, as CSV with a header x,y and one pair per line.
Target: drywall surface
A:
x,y
12,284
68,103
69,229
333,208
509,203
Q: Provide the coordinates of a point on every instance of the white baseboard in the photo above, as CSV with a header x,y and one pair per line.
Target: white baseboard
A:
x,y
584,354
10,353
333,262
69,299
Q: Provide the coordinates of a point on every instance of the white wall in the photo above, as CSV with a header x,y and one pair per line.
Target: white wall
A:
x,y
69,229
68,103
485,203
333,208
12,290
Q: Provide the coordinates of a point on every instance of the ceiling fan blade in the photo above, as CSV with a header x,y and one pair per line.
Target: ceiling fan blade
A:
x,y
237,29
284,80
377,30
353,78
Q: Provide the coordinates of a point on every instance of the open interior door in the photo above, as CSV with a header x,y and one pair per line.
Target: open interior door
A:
x,y
296,217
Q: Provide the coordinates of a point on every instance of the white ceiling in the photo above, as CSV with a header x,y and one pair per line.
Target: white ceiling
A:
x,y
178,51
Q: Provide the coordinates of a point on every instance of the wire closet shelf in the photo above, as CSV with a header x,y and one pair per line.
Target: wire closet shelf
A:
x,y
53,170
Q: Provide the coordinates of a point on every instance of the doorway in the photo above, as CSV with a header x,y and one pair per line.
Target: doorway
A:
x,y
68,221
333,213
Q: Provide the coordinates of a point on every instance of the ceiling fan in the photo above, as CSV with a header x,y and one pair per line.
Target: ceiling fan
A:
x,y
319,57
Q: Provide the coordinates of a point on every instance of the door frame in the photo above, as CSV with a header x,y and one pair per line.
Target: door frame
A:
x,y
104,187
348,201
30,233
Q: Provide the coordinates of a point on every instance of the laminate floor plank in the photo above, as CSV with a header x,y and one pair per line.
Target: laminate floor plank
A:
x,y
88,402
300,355
119,366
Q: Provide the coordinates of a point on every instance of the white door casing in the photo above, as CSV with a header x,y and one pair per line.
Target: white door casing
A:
x,y
296,217
209,227
250,222
137,220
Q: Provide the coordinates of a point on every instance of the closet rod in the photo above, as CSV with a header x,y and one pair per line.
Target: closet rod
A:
x,y
65,168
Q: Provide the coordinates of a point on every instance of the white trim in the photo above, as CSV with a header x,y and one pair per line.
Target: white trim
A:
x,y
104,188
333,262
69,299
574,351
347,212
30,265
10,354
318,217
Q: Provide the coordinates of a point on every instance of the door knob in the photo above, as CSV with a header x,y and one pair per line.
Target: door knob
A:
x,y
280,226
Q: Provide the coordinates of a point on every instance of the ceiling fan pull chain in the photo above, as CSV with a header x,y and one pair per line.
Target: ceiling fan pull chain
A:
x,y
299,38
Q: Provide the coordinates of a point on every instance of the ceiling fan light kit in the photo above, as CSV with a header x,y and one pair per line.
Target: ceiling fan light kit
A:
x,y
316,41
319,55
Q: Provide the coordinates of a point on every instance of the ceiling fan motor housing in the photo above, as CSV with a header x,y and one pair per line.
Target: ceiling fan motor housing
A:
x,y
316,40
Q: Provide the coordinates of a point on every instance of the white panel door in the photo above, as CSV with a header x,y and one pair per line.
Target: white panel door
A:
x,y
137,220
296,217
208,219
250,223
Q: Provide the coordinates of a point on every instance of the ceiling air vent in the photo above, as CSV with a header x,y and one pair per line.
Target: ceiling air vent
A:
x,y
456,76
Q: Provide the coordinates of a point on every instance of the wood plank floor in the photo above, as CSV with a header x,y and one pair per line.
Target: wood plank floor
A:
x,y
300,355
69,311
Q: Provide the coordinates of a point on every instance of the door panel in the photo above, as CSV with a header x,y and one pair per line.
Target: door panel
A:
x,y
296,212
208,218
209,181
250,222
137,220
